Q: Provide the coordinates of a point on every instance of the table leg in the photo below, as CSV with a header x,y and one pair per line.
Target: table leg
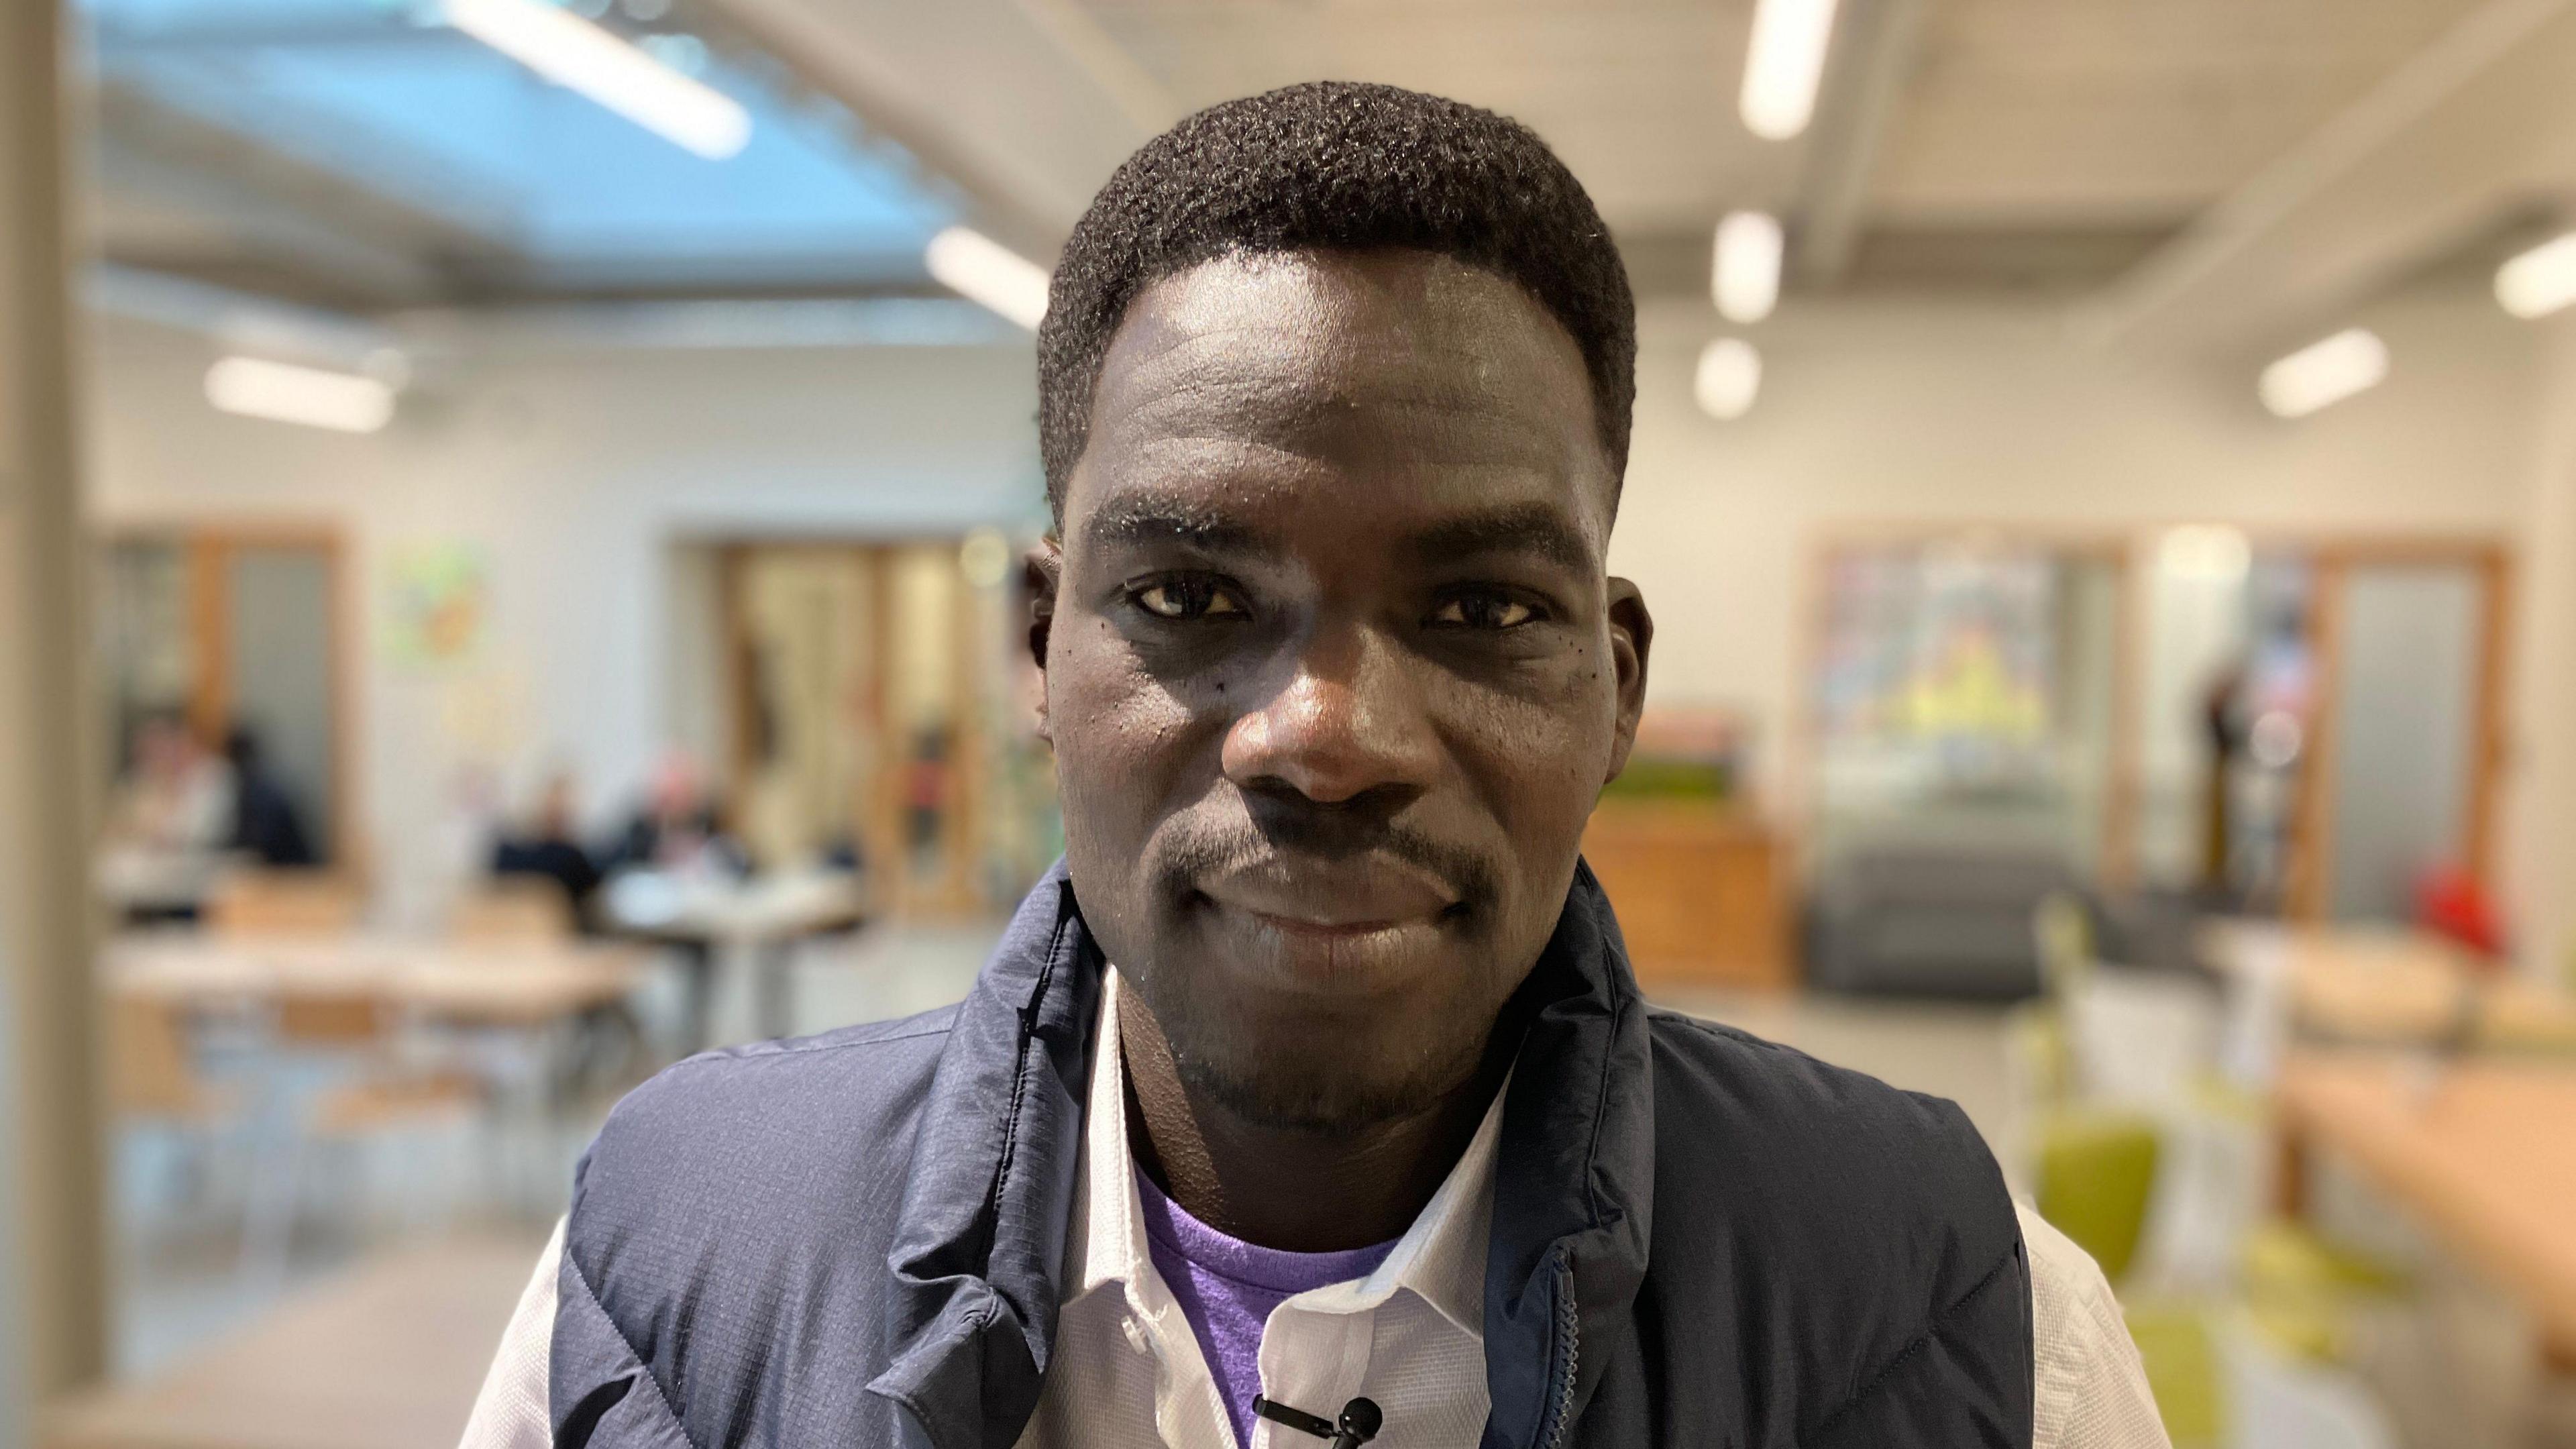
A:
x,y
2290,1170
698,963
777,990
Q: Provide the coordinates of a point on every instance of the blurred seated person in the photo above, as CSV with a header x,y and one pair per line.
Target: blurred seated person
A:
x,y
168,824
674,835
676,828
546,846
266,826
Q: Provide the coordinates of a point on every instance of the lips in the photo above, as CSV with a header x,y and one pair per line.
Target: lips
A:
x,y
1328,898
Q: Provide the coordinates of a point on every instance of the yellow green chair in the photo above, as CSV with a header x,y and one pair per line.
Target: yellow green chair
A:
x,y
2062,932
2303,1290
2180,1355
2097,1175
2096,1179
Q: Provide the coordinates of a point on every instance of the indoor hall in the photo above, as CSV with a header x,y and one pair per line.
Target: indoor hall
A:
x,y
515,519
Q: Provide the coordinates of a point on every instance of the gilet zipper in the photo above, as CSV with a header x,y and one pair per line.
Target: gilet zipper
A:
x,y
1569,1347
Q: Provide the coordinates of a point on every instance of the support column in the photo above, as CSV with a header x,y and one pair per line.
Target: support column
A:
x,y
53,1302
2541,854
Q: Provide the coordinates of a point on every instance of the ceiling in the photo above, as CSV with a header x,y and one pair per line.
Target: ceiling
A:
x,y
2095,113
2176,169
2082,113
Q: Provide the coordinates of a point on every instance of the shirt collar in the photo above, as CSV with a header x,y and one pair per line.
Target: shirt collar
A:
x,y
1440,1258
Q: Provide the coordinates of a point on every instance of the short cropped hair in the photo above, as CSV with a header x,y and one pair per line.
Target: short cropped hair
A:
x,y
1336,165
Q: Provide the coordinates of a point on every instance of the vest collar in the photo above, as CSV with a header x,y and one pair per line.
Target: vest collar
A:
x,y
979,1249
1574,1181
978,1256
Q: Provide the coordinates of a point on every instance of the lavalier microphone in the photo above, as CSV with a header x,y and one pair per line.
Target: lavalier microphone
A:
x,y
1359,1423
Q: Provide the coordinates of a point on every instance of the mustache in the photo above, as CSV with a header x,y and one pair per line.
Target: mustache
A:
x,y
1214,848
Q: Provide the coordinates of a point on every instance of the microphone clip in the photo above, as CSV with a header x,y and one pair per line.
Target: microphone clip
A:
x,y
1358,1424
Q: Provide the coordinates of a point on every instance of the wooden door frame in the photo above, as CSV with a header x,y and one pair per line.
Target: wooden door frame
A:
x,y
207,542
2334,554
883,823
2310,891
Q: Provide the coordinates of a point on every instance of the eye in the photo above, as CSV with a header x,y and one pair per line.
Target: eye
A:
x,y
1482,610
1188,597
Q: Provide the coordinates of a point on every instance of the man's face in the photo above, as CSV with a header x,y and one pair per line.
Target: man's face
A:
x,y
1334,674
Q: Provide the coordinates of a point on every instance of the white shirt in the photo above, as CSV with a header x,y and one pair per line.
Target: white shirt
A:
x,y
1128,1372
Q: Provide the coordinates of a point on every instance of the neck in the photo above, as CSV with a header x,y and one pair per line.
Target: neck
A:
x,y
1296,1190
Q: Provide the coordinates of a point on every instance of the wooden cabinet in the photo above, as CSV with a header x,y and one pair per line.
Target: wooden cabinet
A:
x,y
1700,893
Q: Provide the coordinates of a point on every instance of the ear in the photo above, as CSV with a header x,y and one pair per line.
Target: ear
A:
x,y
1632,638
1040,572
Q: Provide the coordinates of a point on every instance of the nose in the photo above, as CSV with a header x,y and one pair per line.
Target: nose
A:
x,y
1348,723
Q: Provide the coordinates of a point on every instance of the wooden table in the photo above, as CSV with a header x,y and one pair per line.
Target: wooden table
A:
x,y
2391,987
387,1356
2481,1151
499,983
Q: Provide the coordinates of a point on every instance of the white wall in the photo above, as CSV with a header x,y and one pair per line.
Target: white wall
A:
x,y
1877,411
572,473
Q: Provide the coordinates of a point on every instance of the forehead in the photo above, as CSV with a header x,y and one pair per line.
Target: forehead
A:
x,y
1390,379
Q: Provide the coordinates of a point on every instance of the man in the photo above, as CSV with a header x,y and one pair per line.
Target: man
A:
x,y
1311,1096
266,824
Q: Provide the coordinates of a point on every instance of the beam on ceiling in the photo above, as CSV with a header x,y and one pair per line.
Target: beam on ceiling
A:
x,y
237,320
978,90
1148,104
219,31
174,183
2464,133
1875,58
707,324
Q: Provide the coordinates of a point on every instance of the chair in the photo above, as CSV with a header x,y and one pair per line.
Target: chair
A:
x,y
518,910
2097,1173
152,1073
2208,1358
285,903
2131,1035
339,1074
512,908
160,1096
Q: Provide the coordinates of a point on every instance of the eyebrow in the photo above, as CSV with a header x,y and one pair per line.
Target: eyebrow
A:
x,y
1140,521
1533,529
1527,528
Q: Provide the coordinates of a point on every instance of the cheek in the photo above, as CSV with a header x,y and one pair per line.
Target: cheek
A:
x,y
1539,755
1122,739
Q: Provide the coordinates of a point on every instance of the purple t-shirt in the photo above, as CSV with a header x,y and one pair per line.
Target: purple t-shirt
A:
x,y
1226,1288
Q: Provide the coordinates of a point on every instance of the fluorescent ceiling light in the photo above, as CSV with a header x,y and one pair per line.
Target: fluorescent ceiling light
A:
x,y
2541,280
2207,552
1785,65
984,271
281,392
1730,377
1745,275
2325,373
572,52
